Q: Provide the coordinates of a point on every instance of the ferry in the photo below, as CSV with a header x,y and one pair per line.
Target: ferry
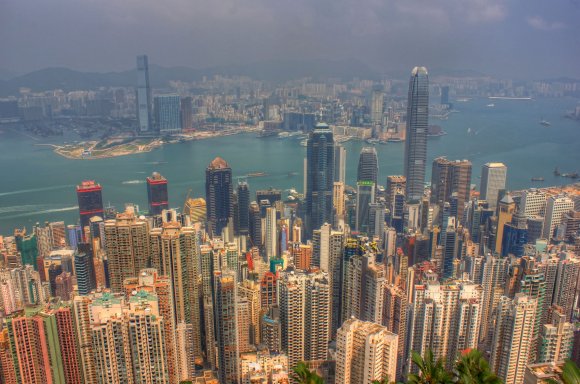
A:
x,y
537,179
491,105
395,140
545,123
372,141
256,174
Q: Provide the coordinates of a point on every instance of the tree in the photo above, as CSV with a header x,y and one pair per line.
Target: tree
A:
x,y
472,368
431,371
570,374
303,375
385,380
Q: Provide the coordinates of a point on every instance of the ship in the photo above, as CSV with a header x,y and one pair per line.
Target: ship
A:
x,y
394,140
256,174
545,123
537,179
491,105
372,141
304,143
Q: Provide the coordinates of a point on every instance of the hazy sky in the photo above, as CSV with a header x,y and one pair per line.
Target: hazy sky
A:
x,y
525,38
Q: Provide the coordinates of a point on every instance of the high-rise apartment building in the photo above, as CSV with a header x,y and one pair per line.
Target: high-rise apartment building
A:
x,y
90,199
218,195
127,247
557,338
365,352
512,338
416,133
319,175
395,320
446,319
144,100
270,233
364,286
226,323
157,195
493,180
305,305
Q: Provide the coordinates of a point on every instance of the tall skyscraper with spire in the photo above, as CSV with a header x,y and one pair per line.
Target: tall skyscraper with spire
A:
x,y
144,115
416,134
218,195
319,174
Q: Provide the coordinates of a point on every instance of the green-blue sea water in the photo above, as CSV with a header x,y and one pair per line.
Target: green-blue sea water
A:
x,y
37,185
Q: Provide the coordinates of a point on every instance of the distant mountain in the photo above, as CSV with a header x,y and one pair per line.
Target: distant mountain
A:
x,y
275,70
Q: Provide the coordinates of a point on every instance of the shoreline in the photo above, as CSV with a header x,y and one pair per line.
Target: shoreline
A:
x,y
135,146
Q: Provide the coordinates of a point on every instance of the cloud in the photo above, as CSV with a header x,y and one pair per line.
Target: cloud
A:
x,y
538,22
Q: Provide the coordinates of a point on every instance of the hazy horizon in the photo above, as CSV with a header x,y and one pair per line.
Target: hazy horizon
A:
x,y
533,39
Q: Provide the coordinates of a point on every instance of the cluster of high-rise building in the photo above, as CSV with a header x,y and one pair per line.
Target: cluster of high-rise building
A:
x,y
240,288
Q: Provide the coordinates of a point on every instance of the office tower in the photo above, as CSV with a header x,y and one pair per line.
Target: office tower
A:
x,y
89,195
515,236
394,183
570,225
144,101
218,195
320,168
533,202
368,165
271,194
186,113
271,233
327,254
445,95
451,178
512,339
243,195
364,285
175,253
255,225
365,196
506,210
157,193
416,133
128,339
305,305
567,284
339,163
377,106
395,320
493,179
167,115
557,338
226,324
556,207
365,352
376,226
127,247
495,274
445,319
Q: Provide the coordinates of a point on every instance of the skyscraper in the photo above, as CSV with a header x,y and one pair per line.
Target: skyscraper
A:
x,y
320,168
167,115
226,322
556,206
377,106
219,194
512,340
144,115
157,193
366,352
90,198
493,179
416,133
365,197
339,163
368,165
448,178
186,113
243,195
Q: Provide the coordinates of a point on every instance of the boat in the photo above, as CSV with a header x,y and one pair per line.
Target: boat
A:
x,y
571,175
256,174
304,143
394,140
545,123
491,105
537,179
372,141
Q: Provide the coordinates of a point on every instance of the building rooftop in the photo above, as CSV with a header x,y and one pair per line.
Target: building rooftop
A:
x,y
218,163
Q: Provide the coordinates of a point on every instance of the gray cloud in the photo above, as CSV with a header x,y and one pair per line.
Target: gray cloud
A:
x,y
485,35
